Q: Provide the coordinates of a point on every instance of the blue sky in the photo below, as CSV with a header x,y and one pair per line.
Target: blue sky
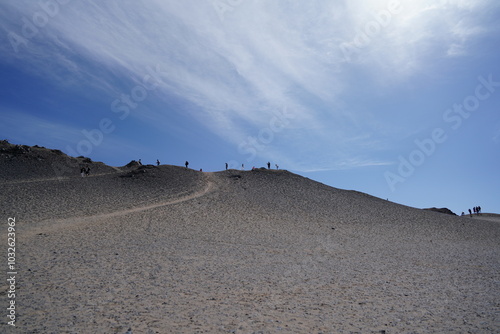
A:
x,y
398,99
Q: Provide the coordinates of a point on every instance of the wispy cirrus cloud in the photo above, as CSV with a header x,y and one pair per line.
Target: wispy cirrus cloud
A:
x,y
18,125
22,127
233,74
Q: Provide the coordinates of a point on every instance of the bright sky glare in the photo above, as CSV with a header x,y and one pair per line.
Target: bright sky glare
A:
x,y
398,99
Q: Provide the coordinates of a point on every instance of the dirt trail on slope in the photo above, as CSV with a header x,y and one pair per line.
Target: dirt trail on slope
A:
x,y
66,222
209,187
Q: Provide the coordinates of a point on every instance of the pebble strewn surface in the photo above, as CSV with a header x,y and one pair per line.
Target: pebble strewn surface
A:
x,y
171,250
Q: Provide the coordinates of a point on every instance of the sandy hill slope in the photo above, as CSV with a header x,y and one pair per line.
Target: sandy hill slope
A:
x,y
492,217
170,250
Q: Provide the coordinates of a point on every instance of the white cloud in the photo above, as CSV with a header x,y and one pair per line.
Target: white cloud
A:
x,y
259,57
17,124
22,127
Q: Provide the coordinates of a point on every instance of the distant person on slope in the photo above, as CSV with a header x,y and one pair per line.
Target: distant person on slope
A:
x,y
157,162
268,165
187,164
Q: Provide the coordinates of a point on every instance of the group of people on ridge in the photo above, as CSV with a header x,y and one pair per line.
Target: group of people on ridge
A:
x,y
476,210
253,168
85,171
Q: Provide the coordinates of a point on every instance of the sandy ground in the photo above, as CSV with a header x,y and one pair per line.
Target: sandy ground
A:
x,y
171,250
486,217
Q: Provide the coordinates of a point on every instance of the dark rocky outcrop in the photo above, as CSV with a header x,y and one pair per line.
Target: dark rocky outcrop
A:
x,y
442,210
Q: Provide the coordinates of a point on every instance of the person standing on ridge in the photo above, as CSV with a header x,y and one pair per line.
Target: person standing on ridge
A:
x,y
187,164
268,165
226,166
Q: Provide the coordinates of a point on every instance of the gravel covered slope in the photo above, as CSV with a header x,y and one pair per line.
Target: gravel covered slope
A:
x,y
48,199
171,250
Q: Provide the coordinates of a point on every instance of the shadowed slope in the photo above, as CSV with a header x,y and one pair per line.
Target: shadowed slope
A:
x,y
21,163
43,199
